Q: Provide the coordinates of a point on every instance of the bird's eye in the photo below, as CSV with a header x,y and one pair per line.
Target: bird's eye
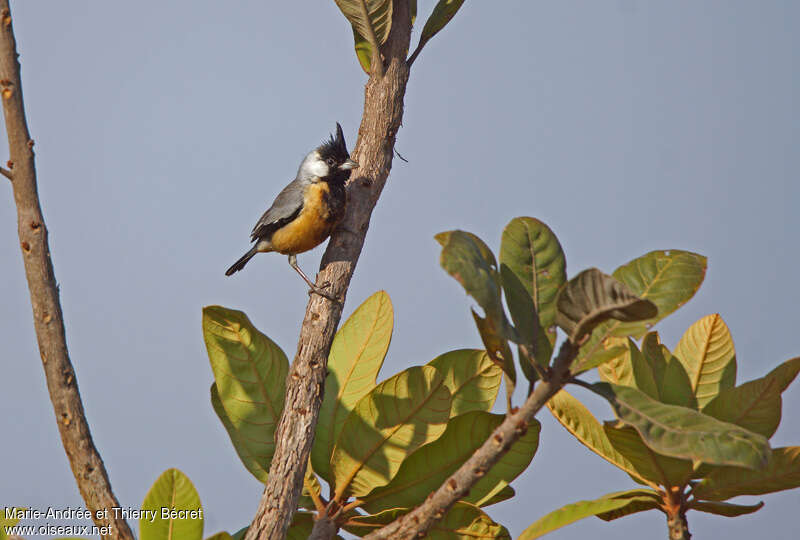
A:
x,y
330,161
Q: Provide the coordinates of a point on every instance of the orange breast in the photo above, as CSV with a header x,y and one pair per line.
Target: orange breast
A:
x,y
310,228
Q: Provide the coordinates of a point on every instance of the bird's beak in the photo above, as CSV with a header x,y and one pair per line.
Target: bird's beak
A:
x,y
347,165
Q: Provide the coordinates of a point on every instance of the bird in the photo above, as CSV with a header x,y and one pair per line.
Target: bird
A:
x,y
307,210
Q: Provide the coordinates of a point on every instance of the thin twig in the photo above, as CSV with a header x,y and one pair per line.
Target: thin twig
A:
x,y
87,466
383,113
5,172
418,522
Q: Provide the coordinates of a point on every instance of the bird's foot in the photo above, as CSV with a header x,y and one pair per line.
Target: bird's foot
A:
x,y
322,292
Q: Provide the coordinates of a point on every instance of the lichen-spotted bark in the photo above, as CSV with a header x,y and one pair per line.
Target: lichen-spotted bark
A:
x,y
84,459
383,113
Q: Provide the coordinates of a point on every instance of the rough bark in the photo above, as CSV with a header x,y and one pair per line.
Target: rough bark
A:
x,y
383,113
87,466
418,522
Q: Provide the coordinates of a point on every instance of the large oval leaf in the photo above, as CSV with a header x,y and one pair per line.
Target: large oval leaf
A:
x,y
532,262
669,278
430,466
172,509
579,421
706,351
470,261
592,297
582,509
441,15
250,372
662,470
755,405
782,472
685,433
255,454
472,378
394,419
356,357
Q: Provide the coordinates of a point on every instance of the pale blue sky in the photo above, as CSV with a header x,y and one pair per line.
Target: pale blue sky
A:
x,y
164,129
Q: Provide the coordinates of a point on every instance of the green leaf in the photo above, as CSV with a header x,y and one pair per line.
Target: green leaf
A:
x,y
220,536
441,15
469,260
663,470
498,351
532,262
570,514
782,472
378,18
176,510
592,297
251,452
310,483
467,521
250,372
363,51
685,433
430,466
668,278
398,416
648,500
498,497
584,426
755,405
239,535
706,351
672,384
356,357
463,520
725,509
472,378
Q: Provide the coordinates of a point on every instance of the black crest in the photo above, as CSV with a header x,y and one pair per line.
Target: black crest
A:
x,y
335,147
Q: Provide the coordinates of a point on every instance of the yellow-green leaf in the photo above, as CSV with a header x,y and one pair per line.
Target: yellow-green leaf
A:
x,y
685,433
255,454
706,351
571,513
667,278
592,297
782,472
398,416
638,501
498,350
220,536
472,378
356,357
725,509
584,426
496,497
755,405
8,520
172,509
378,19
430,466
250,373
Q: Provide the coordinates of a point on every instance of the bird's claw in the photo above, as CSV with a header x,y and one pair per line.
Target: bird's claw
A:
x,y
320,290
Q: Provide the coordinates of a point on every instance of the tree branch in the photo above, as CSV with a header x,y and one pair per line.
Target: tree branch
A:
x,y
87,466
383,113
416,523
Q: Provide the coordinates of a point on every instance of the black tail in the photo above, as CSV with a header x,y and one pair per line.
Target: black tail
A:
x,y
238,265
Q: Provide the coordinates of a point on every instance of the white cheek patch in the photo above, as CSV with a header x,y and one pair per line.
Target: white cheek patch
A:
x,y
317,167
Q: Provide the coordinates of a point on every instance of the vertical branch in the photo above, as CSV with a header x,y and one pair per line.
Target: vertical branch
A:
x,y
87,466
383,113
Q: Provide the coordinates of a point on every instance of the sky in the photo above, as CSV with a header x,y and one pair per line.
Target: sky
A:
x,y
164,129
